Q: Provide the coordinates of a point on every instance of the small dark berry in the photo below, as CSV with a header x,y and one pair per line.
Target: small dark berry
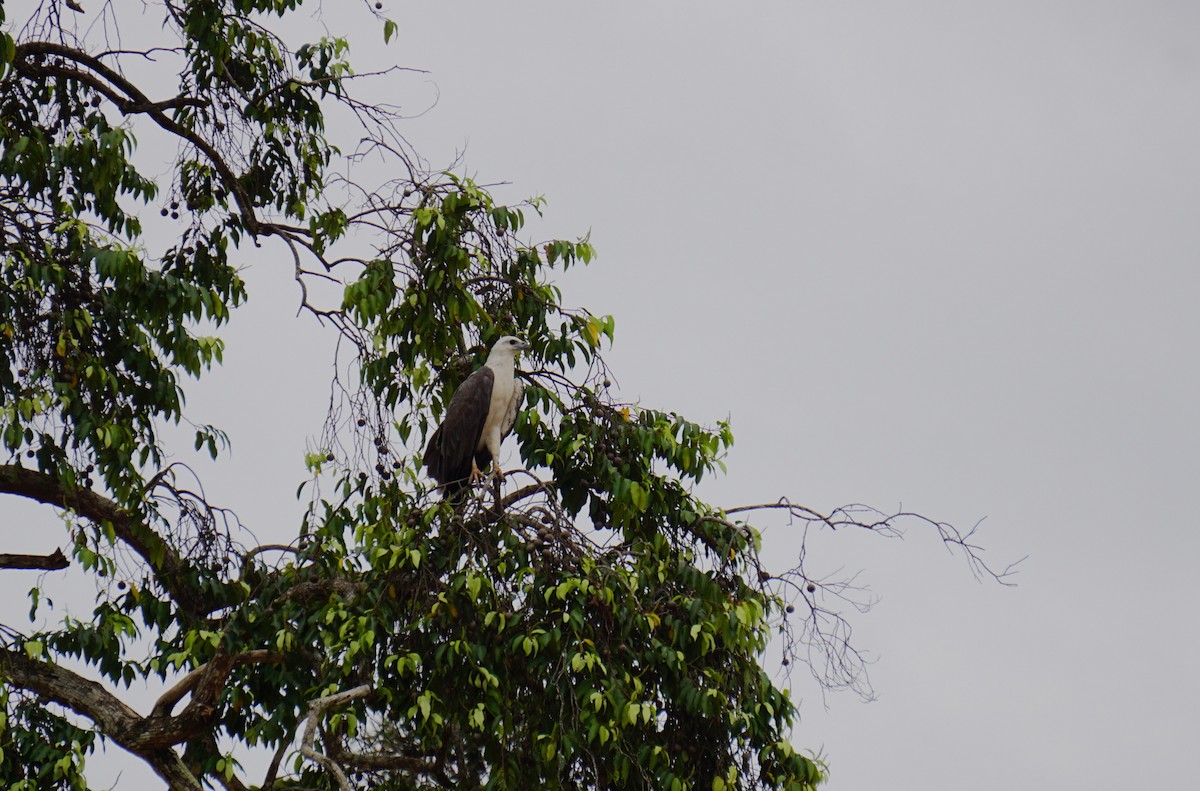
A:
x,y
329,457
786,662
95,101
791,608
811,588
607,383
378,6
164,211
396,465
763,576
121,585
30,453
174,204
361,422
89,468
174,215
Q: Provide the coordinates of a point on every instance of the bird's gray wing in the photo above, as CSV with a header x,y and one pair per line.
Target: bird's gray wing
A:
x,y
451,447
514,406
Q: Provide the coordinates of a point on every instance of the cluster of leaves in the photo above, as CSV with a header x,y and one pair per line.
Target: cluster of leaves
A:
x,y
44,752
595,624
97,329
633,666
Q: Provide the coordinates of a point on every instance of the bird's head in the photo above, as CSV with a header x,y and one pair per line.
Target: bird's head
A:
x,y
508,346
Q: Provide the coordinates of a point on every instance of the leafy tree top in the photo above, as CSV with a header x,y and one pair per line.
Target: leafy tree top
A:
x,y
590,624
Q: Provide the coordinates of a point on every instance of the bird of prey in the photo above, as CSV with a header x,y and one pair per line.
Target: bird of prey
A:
x,y
481,413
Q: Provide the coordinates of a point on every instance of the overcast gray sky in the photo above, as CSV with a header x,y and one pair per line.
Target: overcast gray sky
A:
x,y
941,254
932,254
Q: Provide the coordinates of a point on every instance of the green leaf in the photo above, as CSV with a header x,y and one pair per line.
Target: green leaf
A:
x,y
638,496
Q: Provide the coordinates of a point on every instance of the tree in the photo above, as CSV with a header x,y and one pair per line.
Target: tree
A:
x,y
588,623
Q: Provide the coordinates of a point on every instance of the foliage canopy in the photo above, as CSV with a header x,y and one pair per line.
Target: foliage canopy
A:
x,y
590,624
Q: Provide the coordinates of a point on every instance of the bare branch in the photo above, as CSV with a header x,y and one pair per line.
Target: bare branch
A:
x,y
276,759
865,517
316,711
53,562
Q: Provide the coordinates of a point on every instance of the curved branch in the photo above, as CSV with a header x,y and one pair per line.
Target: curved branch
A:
x,y
308,744
115,720
134,101
166,702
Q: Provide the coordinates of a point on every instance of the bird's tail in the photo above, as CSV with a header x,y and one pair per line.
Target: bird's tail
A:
x,y
460,480
455,491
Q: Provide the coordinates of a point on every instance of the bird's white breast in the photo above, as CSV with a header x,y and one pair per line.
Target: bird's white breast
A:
x,y
502,393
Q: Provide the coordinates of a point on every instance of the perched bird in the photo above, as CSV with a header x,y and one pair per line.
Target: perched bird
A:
x,y
481,413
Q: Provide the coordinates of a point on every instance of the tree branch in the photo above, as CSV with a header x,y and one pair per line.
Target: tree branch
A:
x,y
308,745
134,101
52,562
166,702
865,517
169,567
88,698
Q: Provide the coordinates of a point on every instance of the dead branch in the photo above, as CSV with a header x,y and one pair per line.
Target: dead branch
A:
x,y
865,517
316,710
53,562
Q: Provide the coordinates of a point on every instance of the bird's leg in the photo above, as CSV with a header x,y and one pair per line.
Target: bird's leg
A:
x,y
476,477
497,481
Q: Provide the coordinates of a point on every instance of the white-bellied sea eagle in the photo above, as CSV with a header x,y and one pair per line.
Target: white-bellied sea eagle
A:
x,y
481,413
